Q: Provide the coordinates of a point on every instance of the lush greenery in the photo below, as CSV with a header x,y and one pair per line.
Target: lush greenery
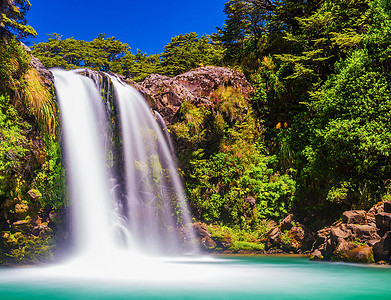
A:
x,y
314,138
32,181
230,178
322,92
13,19
182,54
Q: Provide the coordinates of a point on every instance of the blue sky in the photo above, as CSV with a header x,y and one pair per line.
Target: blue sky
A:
x,y
147,25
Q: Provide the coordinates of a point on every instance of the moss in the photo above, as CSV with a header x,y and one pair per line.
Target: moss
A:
x,y
248,246
23,248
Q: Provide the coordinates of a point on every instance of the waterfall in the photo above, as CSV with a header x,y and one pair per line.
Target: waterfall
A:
x,y
125,191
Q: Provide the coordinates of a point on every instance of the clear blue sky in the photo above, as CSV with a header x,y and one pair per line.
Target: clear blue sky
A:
x,y
147,25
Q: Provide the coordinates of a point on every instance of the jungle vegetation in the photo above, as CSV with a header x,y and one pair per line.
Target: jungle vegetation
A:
x,y
315,136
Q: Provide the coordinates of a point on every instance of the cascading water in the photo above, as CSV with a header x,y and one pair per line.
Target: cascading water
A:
x,y
125,191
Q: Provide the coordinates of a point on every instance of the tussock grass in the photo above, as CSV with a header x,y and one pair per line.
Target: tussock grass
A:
x,y
40,102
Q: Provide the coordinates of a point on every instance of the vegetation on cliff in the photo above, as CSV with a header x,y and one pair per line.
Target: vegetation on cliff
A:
x,y
313,139
32,181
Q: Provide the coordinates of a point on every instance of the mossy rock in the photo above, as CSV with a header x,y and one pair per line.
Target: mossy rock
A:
x,y
221,237
359,254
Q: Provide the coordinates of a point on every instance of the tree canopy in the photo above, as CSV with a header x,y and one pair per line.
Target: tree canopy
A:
x,y
13,19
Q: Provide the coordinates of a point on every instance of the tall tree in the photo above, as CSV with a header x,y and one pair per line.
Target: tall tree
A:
x,y
246,22
188,51
13,19
140,65
103,54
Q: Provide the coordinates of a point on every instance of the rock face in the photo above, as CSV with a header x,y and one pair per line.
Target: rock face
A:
x,y
360,237
45,75
166,94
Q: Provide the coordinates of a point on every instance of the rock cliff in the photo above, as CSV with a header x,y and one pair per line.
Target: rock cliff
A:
x,y
166,94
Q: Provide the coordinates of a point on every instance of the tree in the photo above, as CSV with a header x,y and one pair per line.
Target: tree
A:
x,y
246,22
186,52
103,54
140,65
13,19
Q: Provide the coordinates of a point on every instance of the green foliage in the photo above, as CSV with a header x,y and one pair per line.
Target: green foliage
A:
x,y
103,54
14,145
247,246
229,166
352,126
141,65
242,239
14,63
50,178
182,54
13,19
246,23
321,77
186,52
24,249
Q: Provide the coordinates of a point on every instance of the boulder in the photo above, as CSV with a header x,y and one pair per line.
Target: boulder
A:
x,y
340,232
363,233
316,255
361,254
382,249
354,217
273,238
302,239
288,222
201,230
342,248
207,244
202,81
383,222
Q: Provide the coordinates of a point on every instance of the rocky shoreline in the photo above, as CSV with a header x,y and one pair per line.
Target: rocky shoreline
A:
x,y
359,236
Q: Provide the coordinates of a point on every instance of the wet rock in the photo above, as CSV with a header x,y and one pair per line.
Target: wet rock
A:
x,y
316,255
361,254
207,244
354,217
342,248
340,232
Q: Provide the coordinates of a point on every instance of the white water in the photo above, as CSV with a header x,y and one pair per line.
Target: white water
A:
x,y
85,160
140,207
